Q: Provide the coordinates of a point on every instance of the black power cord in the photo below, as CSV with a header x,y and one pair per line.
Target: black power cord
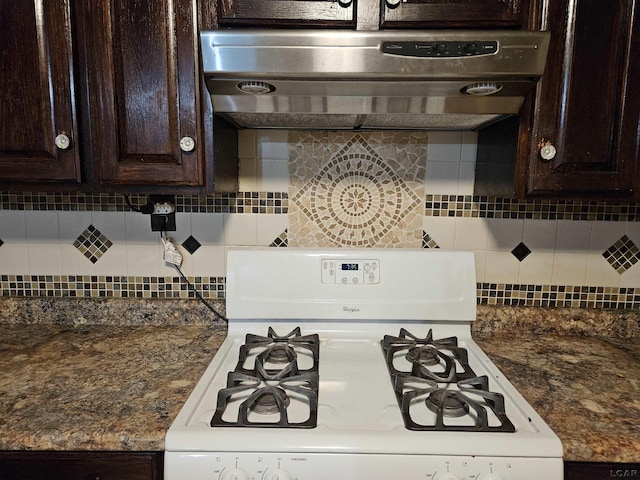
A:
x,y
147,209
200,297
191,286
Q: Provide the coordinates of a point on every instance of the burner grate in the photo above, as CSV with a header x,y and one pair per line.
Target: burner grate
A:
x,y
264,394
439,380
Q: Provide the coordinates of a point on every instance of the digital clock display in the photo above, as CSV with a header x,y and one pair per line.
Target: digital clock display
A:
x,y
350,266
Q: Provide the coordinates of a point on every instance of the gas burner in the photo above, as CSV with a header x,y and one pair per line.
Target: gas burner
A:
x,y
470,400
267,400
424,355
246,395
449,402
406,338
440,360
279,355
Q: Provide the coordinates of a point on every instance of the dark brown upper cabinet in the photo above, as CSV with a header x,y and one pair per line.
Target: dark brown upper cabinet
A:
x,y
287,13
145,108
38,124
581,138
106,96
373,14
454,13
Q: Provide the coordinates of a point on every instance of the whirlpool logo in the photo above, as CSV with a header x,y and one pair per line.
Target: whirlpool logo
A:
x,y
350,309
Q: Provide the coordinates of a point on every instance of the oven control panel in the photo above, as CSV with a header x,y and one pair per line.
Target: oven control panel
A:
x,y
305,466
350,272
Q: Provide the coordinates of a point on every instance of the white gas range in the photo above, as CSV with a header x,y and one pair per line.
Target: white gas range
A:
x,y
355,364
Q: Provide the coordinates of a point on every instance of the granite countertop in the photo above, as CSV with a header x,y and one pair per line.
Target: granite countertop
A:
x,y
97,387
72,386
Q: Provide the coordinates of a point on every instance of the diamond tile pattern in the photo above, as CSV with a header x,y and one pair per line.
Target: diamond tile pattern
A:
x,y
427,241
191,244
281,240
622,255
521,251
92,244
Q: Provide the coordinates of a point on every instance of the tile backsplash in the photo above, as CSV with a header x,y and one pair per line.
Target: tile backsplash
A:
x,y
328,189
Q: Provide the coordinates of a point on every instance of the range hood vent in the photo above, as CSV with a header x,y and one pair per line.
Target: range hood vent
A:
x,y
335,79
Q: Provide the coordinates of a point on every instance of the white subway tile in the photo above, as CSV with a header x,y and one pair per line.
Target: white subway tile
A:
x,y
442,178
72,262
501,267
113,261
144,259
273,175
574,236
208,228
471,234
441,229
72,224
600,273
14,259
537,268
13,227
269,227
272,144
42,227
504,234
209,261
570,269
44,258
444,146
240,229
540,235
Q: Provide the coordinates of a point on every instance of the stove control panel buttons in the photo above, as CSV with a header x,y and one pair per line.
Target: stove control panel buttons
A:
x,y
445,476
234,474
350,272
276,474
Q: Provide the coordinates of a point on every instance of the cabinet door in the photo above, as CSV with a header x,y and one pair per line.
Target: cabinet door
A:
x,y
81,465
587,104
36,93
454,13
300,13
143,91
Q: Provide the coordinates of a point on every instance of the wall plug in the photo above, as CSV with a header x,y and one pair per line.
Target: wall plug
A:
x,y
171,253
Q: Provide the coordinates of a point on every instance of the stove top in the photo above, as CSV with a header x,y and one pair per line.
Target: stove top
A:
x,y
361,365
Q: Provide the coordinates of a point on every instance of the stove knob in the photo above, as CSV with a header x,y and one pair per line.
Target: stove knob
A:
x,y
445,476
276,474
234,474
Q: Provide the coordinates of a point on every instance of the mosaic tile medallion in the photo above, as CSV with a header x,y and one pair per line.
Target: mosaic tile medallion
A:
x,y
356,189
622,255
92,243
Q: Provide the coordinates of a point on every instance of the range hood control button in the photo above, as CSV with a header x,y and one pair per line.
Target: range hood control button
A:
x,y
256,87
470,47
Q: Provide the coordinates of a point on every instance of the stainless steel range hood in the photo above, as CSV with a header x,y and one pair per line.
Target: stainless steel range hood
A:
x,y
338,79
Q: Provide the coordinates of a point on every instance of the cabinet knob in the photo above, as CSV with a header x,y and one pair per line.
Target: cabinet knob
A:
x,y
187,144
547,151
345,3
62,141
392,3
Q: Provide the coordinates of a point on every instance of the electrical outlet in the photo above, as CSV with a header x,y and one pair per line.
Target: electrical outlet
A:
x,y
163,216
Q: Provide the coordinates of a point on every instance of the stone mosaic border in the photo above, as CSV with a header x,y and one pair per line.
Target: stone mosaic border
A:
x,y
94,286
90,286
472,206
